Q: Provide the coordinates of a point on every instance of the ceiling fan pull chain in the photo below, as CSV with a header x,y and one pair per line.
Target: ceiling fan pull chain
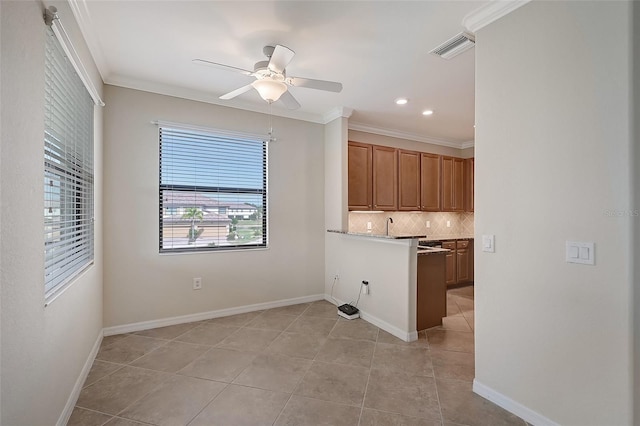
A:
x,y
271,138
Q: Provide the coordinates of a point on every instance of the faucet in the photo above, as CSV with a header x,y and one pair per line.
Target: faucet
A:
x,y
389,220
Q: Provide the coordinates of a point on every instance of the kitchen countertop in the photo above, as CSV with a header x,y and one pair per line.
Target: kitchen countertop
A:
x,y
446,237
432,250
388,237
424,237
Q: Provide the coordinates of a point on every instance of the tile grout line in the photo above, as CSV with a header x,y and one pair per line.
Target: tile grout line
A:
x,y
300,380
366,386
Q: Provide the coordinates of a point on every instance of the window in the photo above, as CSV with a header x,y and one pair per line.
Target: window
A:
x,y
68,170
204,178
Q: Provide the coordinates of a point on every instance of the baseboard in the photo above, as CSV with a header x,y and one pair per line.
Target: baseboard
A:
x,y
75,393
164,322
512,406
391,329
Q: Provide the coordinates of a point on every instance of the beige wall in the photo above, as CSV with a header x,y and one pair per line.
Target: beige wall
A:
x,y
43,349
635,251
142,285
335,167
364,137
552,158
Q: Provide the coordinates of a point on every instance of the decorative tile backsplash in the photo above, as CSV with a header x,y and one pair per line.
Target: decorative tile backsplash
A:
x,y
413,223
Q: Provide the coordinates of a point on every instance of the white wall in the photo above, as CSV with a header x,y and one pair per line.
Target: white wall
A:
x,y
390,267
141,284
43,349
635,159
335,169
552,158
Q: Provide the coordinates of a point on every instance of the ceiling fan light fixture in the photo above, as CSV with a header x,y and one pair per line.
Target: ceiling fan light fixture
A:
x,y
269,90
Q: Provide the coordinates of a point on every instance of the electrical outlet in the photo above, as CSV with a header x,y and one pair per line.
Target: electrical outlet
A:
x,y
428,224
368,226
448,224
197,283
336,276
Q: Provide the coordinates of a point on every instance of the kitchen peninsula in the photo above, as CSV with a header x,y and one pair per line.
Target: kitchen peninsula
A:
x,y
390,263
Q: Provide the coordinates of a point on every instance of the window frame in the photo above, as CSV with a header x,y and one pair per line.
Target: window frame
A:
x,y
215,134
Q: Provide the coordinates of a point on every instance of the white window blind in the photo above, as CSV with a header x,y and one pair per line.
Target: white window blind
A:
x,y
213,191
68,170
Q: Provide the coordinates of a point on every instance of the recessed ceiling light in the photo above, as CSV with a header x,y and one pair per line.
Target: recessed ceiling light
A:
x,y
401,101
427,112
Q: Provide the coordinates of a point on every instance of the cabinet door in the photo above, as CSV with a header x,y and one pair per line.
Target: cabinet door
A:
x,y
360,183
452,184
462,265
447,184
385,178
458,184
450,268
408,180
469,172
430,183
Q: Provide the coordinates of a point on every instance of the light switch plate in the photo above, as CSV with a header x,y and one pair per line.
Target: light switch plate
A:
x,y
488,243
580,252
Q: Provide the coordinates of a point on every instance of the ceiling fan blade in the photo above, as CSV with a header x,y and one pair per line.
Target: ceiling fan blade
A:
x,y
222,66
236,92
289,101
329,86
280,58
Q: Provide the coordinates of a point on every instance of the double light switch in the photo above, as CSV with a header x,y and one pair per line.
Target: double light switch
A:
x,y
577,252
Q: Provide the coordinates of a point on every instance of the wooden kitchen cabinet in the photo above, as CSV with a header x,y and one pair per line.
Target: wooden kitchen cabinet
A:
x,y
462,262
452,184
385,178
458,262
409,180
469,176
430,182
360,176
450,262
431,303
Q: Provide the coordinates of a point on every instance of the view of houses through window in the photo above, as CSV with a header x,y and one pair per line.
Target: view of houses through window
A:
x,y
212,191
199,219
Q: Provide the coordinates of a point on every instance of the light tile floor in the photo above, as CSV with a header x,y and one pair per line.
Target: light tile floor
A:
x,y
297,365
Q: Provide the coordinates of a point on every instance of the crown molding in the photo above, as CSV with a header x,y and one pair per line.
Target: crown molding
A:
x,y
468,144
405,135
199,96
85,23
337,112
490,12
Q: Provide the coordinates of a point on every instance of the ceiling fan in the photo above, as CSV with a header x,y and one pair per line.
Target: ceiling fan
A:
x,y
271,77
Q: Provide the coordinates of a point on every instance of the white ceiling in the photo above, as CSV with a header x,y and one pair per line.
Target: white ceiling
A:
x,y
378,50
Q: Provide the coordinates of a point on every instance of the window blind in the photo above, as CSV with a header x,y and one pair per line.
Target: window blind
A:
x,y
68,170
213,191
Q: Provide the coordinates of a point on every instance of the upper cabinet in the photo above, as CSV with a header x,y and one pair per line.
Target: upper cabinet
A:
x,y
390,179
360,176
452,184
385,178
430,183
469,175
409,180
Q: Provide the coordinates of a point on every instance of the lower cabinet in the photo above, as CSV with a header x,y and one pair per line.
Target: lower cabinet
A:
x,y
431,302
459,261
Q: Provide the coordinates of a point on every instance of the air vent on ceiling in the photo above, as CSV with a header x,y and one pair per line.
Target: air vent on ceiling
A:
x,y
455,46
